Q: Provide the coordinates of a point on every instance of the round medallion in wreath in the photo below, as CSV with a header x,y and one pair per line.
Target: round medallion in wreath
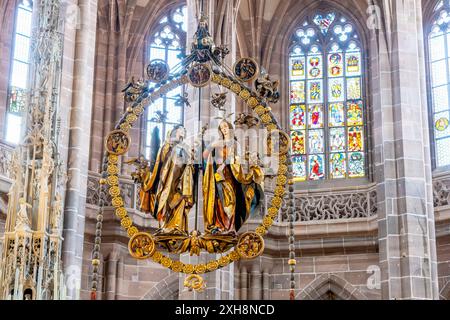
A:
x,y
246,69
157,70
141,245
199,75
117,142
250,245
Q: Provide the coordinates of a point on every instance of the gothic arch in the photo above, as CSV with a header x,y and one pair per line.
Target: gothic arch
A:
x,y
326,283
143,27
166,289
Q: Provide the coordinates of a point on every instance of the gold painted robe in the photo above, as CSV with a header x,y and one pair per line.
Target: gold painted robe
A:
x,y
167,191
230,195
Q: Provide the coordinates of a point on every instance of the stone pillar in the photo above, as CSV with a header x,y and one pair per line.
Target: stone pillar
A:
x,y
402,156
255,282
78,150
111,275
220,282
265,285
243,283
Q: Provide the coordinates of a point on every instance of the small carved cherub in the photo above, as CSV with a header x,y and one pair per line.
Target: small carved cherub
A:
x,y
182,100
160,116
245,119
218,100
221,51
195,243
141,165
267,88
133,89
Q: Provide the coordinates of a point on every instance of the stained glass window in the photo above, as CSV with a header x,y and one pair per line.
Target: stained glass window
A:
x,y
439,66
167,43
327,109
18,83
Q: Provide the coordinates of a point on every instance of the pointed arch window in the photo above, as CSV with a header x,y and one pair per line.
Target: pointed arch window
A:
x,y
439,82
167,43
18,81
327,107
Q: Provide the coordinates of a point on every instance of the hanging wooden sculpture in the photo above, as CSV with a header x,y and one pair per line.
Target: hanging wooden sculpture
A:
x,y
168,185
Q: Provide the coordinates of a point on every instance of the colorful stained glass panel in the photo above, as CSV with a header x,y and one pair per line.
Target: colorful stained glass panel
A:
x,y
316,143
299,167
356,165
297,92
315,67
336,115
315,94
324,22
338,166
297,68
316,167
355,139
336,90
298,142
337,139
315,116
17,99
353,64
355,113
335,65
353,88
298,116
441,125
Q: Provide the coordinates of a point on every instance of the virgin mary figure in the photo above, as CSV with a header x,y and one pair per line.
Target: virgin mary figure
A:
x,y
230,194
167,190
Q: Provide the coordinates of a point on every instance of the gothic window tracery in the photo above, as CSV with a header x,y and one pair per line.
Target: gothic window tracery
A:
x,y
327,107
439,82
167,43
18,82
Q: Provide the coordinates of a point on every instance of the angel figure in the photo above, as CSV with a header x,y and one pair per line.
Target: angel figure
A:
x,y
245,119
267,88
167,188
218,100
230,194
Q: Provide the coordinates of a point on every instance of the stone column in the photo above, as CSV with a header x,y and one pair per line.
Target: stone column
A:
x,y
255,282
219,283
78,150
243,283
402,156
265,285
